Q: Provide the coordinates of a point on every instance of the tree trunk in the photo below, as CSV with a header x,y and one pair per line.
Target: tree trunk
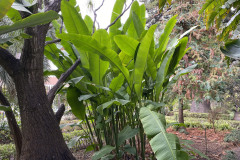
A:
x,y
201,107
180,111
237,116
41,135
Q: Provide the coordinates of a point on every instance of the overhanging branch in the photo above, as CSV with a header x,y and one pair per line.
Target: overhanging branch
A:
x,y
119,16
62,79
95,16
9,62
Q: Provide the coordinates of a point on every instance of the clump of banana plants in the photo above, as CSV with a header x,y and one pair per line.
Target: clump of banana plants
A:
x,y
118,87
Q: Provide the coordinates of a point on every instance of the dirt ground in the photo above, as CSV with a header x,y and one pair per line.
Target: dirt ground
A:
x,y
215,149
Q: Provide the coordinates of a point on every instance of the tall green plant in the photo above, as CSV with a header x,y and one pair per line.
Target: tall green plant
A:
x,y
124,70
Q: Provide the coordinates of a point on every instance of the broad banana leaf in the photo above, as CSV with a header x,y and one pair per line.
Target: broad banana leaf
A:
x,y
141,60
33,20
88,44
164,145
73,20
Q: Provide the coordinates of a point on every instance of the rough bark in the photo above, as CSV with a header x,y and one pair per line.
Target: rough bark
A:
x,y
42,138
201,107
60,113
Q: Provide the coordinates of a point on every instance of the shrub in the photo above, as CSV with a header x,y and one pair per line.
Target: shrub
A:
x,y
7,151
202,122
234,136
70,135
204,115
230,156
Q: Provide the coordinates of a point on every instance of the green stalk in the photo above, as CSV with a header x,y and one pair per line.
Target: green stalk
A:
x,y
115,133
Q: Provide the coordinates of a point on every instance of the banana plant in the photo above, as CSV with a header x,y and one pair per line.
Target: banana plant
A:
x,y
121,72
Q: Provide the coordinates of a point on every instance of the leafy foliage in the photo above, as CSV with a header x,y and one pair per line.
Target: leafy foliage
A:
x,y
119,69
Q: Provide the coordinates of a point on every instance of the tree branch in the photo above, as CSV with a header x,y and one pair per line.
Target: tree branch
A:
x,y
64,76
53,41
95,16
9,62
119,16
60,113
14,128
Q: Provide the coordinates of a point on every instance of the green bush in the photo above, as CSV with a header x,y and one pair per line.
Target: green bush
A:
x,y
70,135
187,113
7,151
230,156
234,136
5,136
203,122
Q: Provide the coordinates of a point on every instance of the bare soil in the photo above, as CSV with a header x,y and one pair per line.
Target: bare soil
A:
x,y
213,145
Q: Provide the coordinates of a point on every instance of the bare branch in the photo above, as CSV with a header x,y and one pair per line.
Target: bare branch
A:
x,y
14,128
95,16
60,113
119,16
64,76
9,62
53,41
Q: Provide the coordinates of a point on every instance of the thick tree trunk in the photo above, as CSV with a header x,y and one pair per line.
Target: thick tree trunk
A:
x,y
200,107
41,135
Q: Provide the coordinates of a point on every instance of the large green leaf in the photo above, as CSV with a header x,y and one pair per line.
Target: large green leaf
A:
x,y
117,83
232,49
137,24
110,103
127,44
33,20
90,45
89,22
5,5
114,29
162,71
164,38
14,15
141,60
164,145
78,108
98,67
126,134
73,20
104,151
131,24
151,67
179,52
